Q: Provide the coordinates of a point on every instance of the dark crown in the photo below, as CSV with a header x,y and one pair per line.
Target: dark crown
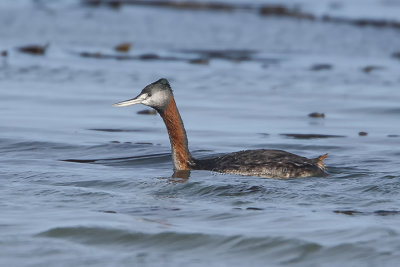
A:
x,y
163,81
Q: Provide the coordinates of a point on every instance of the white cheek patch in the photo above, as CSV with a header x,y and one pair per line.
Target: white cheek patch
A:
x,y
158,99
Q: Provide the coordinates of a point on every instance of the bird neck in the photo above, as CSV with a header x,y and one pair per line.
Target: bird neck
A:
x,y
177,136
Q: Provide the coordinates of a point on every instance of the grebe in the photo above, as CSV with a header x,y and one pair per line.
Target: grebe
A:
x,y
260,162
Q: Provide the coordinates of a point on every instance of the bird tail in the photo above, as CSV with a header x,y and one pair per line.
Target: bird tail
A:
x,y
320,161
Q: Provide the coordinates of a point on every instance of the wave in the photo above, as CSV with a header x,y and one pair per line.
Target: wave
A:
x,y
175,241
234,249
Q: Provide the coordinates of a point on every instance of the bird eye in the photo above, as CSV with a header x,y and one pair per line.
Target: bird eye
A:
x,y
148,94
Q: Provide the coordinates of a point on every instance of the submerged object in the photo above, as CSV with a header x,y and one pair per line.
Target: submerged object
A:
x,y
124,47
34,49
316,115
260,162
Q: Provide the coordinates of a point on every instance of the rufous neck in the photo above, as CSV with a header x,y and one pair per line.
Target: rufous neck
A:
x,y
177,136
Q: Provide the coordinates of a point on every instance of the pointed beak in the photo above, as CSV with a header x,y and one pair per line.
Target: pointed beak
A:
x,y
137,100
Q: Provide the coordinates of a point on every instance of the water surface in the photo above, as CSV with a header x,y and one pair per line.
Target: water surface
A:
x,y
90,185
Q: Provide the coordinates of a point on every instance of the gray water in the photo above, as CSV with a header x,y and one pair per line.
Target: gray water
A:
x,y
115,203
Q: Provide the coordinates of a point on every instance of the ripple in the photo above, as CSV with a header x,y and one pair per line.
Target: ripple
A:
x,y
263,247
126,161
377,212
96,183
231,190
235,249
12,146
202,190
311,136
117,130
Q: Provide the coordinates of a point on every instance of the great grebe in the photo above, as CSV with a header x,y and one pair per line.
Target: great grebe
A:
x,y
260,162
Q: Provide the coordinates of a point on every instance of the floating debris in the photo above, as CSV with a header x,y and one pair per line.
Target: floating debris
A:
x,y
386,212
115,130
254,208
203,56
184,5
363,22
347,212
283,11
362,133
124,47
115,142
93,55
127,57
147,112
229,54
200,61
262,10
143,143
149,56
312,136
33,49
108,211
393,135
368,69
377,212
108,130
396,55
318,67
316,115
115,4
4,53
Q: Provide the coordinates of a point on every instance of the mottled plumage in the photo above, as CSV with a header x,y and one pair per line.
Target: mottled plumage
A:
x,y
261,162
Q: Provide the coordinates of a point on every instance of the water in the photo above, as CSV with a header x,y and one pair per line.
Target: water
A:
x,y
120,206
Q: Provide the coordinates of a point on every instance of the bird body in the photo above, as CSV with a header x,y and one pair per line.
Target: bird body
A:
x,y
264,163
261,162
